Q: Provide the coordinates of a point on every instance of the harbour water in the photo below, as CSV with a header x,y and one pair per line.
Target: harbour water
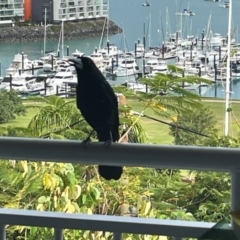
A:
x,y
131,16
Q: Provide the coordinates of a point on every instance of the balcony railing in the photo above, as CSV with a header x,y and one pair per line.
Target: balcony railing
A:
x,y
155,156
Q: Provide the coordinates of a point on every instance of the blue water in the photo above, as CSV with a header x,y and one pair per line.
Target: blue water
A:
x,y
131,16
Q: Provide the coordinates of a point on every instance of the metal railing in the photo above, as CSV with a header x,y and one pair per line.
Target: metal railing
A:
x,y
156,156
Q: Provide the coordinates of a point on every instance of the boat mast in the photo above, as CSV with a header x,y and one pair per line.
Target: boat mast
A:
x,y
45,32
108,22
101,40
149,39
166,24
228,70
180,29
59,41
160,26
62,39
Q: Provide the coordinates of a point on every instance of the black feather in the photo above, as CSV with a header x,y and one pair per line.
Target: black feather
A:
x,y
99,106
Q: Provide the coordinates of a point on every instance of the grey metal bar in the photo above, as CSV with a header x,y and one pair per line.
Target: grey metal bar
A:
x,y
2,232
235,198
58,234
177,238
184,157
117,236
105,223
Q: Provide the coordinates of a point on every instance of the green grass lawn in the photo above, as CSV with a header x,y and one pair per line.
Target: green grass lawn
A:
x,y
22,121
157,132
219,110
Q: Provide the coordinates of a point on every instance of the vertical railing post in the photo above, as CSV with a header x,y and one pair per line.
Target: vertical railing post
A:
x,y
2,232
235,195
117,236
58,234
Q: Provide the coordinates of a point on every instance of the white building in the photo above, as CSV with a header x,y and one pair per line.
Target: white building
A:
x,y
78,9
10,10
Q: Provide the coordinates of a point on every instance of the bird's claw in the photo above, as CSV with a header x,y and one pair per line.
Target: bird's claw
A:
x,y
86,142
108,144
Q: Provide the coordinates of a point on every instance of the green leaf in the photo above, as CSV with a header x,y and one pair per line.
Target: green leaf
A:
x,y
164,205
86,234
33,231
84,198
69,167
95,192
71,178
77,209
42,199
215,191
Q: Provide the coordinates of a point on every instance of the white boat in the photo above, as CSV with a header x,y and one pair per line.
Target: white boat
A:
x,y
224,5
62,63
236,73
35,87
186,12
108,62
136,86
146,4
127,67
152,53
160,67
152,63
128,62
77,53
59,78
97,58
20,62
49,56
17,85
139,50
124,72
59,83
110,51
66,69
47,67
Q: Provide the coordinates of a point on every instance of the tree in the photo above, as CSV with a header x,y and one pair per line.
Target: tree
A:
x,y
55,115
11,105
59,118
213,200
17,18
201,120
11,131
166,95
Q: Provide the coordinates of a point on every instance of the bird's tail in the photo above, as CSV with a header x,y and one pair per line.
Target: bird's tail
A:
x,y
110,172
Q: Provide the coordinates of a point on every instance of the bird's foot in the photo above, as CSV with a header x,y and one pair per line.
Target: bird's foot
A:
x,y
108,144
86,142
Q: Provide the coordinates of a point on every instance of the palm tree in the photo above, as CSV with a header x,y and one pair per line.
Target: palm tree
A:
x,y
59,118
56,116
166,95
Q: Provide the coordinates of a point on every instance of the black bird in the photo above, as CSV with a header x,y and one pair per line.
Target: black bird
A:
x,y
99,106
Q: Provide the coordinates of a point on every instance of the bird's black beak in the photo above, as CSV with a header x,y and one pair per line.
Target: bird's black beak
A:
x,y
76,62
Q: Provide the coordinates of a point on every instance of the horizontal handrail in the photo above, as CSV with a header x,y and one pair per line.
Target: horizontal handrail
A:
x,y
126,154
106,223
